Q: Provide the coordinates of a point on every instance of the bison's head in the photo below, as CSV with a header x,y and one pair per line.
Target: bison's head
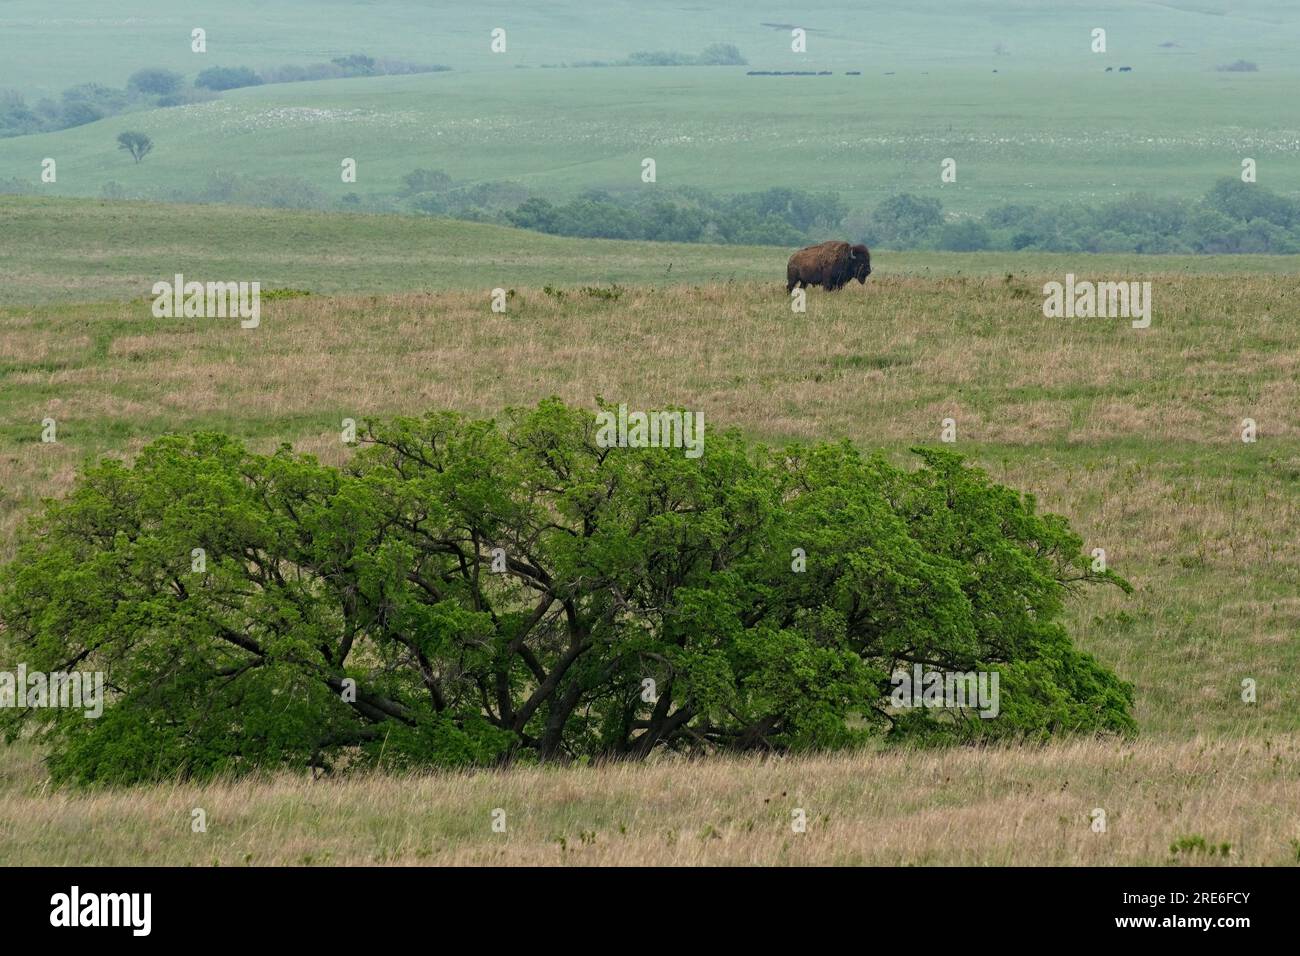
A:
x,y
860,259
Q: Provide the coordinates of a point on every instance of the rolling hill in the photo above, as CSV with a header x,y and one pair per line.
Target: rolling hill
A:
x,y
1035,121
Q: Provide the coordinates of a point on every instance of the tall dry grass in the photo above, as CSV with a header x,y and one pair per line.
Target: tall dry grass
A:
x,y
1026,806
1134,435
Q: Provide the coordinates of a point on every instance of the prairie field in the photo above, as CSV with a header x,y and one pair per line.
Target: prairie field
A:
x,y
44,49
1193,802
78,251
1135,435
1174,449
891,133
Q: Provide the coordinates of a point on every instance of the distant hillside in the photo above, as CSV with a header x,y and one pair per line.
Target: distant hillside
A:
x,y
1010,91
45,47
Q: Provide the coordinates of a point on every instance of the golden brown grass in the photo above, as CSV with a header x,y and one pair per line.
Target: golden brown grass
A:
x,y
1026,806
1134,435
881,364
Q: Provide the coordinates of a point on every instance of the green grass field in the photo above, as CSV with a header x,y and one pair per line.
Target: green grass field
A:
x,y
890,134
43,50
1132,435
1049,126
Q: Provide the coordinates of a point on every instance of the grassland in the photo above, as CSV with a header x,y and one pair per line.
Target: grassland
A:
x,y
62,250
1039,122
558,132
992,807
1135,435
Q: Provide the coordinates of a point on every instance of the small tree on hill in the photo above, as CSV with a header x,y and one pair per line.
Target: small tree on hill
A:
x,y
137,144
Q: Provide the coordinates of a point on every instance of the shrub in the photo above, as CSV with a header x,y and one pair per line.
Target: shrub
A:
x,y
270,295
1249,201
79,114
902,221
155,82
220,78
105,98
965,235
716,54
660,58
425,181
16,117
467,592
357,64
721,54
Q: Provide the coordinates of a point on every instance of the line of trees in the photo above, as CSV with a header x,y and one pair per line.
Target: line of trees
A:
x,y
153,87
1233,217
90,102
779,217
715,54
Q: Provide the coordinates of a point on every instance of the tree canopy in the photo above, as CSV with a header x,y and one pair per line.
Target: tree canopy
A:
x,y
136,143
471,592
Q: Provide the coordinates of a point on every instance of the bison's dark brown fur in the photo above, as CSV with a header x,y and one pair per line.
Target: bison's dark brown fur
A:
x,y
828,264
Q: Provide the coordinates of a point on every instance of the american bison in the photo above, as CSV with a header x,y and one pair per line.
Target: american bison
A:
x,y
828,264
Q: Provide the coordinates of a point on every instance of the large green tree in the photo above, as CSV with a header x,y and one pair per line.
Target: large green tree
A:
x,y
471,592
